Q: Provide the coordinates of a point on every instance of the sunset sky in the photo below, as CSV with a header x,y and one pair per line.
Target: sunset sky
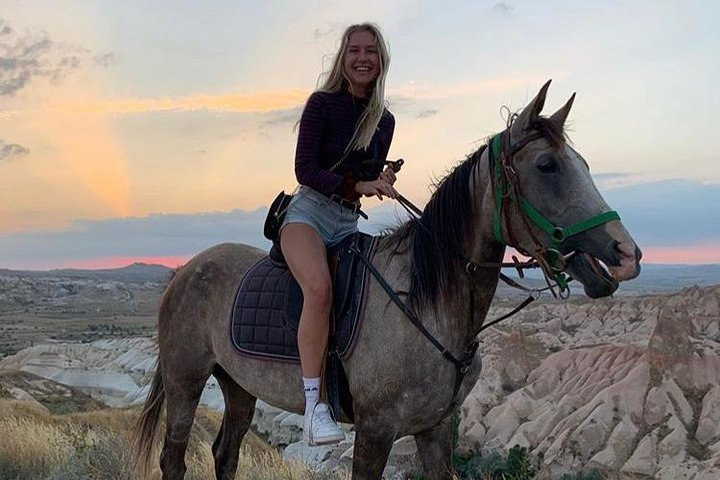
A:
x,y
147,131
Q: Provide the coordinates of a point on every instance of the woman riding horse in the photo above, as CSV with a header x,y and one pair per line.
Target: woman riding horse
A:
x,y
344,123
529,188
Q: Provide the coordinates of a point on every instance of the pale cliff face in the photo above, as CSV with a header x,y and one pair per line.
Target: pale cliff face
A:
x,y
630,385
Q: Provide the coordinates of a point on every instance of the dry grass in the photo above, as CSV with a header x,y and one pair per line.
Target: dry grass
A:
x,y
35,444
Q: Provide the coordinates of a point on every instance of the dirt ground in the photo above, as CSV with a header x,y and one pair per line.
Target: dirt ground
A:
x,y
83,318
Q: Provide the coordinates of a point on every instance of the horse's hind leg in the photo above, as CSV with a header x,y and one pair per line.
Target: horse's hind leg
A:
x,y
183,395
435,450
239,410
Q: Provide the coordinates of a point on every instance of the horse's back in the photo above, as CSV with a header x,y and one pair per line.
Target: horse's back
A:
x,y
228,259
234,255
209,279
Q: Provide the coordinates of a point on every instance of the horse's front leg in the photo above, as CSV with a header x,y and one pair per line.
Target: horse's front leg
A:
x,y
435,450
372,449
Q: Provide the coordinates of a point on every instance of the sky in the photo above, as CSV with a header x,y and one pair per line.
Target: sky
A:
x,y
148,131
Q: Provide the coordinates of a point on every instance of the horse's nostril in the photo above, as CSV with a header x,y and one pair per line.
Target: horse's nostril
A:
x,y
624,249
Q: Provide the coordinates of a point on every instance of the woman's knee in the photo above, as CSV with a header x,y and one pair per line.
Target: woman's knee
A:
x,y
317,291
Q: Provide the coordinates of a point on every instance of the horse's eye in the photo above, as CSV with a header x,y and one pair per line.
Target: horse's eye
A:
x,y
547,164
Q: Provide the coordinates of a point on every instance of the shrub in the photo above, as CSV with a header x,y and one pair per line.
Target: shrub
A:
x,y
516,464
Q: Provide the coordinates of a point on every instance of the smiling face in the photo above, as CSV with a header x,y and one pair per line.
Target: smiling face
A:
x,y
361,62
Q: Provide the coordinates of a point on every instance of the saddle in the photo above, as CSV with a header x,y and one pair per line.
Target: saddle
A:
x,y
268,303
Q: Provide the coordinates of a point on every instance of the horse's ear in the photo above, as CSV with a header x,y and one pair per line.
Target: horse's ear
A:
x,y
531,111
561,115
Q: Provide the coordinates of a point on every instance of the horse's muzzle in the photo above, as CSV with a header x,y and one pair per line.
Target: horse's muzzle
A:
x,y
629,262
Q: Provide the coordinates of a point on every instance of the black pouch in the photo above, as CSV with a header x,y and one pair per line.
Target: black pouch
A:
x,y
276,215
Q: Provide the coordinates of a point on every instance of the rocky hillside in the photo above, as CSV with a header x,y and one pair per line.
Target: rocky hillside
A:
x,y
48,307
135,273
45,394
628,386
112,371
65,293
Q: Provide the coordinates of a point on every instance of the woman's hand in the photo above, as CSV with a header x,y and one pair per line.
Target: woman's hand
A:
x,y
388,175
379,188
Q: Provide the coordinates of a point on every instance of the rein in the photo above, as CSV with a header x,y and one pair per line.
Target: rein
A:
x,y
552,262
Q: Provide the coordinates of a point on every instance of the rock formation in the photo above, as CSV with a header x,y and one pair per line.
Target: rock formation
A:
x,y
628,386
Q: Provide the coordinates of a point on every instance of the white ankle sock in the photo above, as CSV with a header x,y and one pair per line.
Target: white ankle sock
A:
x,y
312,393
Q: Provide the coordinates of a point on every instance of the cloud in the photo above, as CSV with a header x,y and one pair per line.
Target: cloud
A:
x,y
670,216
610,176
30,55
330,28
254,102
10,151
669,213
282,117
157,235
154,235
426,113
414,91
503,8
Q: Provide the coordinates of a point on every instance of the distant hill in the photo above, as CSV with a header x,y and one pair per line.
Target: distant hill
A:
x,y
135,273
654,278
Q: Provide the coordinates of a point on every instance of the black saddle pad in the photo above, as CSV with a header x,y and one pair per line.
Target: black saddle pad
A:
x,y
268,303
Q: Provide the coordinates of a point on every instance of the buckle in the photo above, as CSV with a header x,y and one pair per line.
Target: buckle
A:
x,y
354,207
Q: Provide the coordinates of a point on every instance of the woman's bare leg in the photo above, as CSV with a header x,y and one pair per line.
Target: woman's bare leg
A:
x,y
306,256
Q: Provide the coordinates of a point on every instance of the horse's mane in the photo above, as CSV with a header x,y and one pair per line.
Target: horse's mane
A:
x,y
438,238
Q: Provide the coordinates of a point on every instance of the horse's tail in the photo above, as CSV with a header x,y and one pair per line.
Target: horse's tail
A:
x,y
146,428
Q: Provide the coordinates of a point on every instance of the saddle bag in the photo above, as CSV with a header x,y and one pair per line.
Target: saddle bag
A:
x,y
276,215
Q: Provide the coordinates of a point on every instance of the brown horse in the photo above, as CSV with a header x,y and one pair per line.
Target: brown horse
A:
x,y
529,189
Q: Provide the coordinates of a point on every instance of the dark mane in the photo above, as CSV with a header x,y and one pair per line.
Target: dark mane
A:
x,y
447,216
438,238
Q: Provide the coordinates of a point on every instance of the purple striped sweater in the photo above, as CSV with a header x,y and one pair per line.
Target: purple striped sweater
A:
x,y
326,127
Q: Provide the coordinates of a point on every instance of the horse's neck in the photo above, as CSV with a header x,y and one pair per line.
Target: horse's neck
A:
x,y
452,322
481,249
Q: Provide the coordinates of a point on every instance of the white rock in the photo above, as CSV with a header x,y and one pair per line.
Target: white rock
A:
x,y
618,447
404,446
643,461
709,420
313,456
22,395
671,449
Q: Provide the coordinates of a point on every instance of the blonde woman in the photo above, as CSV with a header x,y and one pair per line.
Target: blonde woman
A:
x,y
344,124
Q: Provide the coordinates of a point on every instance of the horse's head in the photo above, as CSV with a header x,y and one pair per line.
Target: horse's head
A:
x,y
551,208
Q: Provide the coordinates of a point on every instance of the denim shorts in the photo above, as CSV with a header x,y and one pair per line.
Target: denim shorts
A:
x,y
332,221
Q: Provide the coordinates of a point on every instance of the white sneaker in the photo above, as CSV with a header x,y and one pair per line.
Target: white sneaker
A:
x,y
319,428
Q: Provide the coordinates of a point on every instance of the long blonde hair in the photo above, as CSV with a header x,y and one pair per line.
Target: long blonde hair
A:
x,y
336,81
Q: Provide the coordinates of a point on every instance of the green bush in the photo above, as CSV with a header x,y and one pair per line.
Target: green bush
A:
x,y
593,475
516,464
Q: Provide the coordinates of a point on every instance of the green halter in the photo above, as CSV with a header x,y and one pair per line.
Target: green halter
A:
x,y
558,234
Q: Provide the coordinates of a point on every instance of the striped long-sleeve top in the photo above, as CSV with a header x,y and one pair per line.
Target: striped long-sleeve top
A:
x,y
326,127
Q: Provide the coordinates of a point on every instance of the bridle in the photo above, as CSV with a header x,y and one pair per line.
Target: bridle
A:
x,y
507,195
